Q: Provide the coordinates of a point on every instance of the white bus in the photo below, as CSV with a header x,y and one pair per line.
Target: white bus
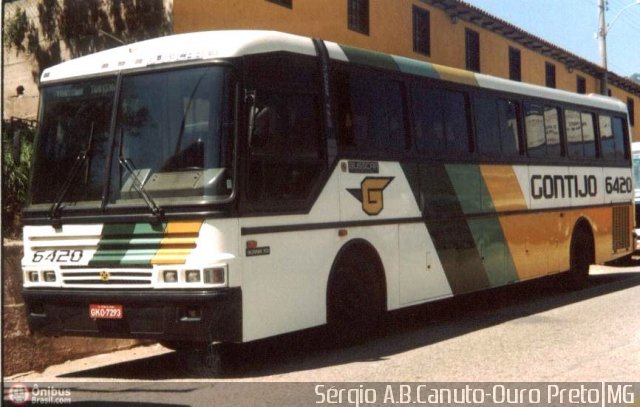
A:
x,y
230,186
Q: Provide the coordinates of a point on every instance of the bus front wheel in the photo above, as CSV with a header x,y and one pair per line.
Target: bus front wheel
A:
x,y
355,302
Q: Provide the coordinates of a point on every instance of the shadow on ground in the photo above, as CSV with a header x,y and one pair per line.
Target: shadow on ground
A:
x,y
402,331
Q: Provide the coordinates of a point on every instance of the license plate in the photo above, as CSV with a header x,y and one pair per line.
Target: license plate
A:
x,y
105,311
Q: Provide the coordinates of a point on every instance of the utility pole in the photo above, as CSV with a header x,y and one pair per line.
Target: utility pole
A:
x,y
602,36
603,31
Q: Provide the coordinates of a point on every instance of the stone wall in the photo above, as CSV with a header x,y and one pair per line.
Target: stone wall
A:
x,y
24,351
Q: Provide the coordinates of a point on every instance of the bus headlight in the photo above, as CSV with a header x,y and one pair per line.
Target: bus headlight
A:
x,y
49,276
170,276
33,276
192,276
215,275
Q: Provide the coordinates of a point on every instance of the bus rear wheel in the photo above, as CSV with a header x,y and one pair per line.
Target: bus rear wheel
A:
x,y
582,256
355,302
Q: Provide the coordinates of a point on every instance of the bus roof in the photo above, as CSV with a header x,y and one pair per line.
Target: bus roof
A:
x,y
210,45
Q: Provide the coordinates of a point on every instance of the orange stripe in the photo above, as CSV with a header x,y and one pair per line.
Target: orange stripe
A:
x,y
179,240
539,242
503,185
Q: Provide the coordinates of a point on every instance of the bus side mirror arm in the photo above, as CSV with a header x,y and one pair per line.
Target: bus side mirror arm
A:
x,y
250,101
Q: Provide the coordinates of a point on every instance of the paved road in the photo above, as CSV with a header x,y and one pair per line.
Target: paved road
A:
x,y
530,332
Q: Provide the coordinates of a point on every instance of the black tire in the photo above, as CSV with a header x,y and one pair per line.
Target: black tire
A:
x,y
355,303
582,256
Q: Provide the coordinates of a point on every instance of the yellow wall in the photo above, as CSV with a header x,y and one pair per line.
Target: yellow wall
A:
x,y
390,30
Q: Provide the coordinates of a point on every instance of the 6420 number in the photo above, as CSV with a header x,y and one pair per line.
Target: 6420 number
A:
x,y
619,185
57,256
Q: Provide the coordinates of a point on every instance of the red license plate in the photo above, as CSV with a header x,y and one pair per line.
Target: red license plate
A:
x,y
105,311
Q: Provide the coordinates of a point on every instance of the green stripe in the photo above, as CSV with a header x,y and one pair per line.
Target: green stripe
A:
x,y
449,231
371,58
413,67
128,244
473,252
474,197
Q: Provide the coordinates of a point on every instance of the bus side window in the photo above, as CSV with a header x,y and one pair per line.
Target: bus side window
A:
x,y
588,135
285,154
535,129
620,137
552,131
371,114
607,141
573,125
428,120
487,130
440,121
497,127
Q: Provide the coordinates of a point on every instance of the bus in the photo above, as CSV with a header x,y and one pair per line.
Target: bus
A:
x,y
635,151
227,186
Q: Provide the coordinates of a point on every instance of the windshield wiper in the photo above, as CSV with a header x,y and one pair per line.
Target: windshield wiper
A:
x,y
127,164
81,158
187,109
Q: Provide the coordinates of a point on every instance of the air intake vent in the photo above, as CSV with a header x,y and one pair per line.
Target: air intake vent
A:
x,y
621,228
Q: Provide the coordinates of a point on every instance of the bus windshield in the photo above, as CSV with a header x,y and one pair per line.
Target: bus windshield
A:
x,y
172,142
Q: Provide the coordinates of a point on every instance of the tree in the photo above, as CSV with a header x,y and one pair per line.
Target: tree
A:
x,y
84,27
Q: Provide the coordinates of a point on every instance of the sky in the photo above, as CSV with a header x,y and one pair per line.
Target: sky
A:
x,y
572,25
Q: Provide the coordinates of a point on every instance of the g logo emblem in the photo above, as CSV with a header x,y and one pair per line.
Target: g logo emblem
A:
x,y
104,276
370,194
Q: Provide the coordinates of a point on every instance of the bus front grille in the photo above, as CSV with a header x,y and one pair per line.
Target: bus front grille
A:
x,y
107,277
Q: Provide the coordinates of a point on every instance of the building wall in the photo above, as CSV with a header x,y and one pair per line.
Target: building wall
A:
x,y
16,71
390,31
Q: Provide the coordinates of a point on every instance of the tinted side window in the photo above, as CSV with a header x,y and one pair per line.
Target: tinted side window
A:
x,y
588,135
573,125
607,142
372,114
534,123
620,137
456,122
552,131
440,121
285,152
487,130
509,128
428,120
581,134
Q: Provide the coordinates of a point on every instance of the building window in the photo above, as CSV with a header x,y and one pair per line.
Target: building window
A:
x,y
550,75
515,67
421,31
359,16
472,49
581,85
285,3
631,107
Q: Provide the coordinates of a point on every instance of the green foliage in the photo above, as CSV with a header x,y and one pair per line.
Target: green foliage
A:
x,y
16,169
84,27
16,29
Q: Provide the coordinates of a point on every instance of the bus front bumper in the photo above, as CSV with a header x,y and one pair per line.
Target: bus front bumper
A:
x,y
189,316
